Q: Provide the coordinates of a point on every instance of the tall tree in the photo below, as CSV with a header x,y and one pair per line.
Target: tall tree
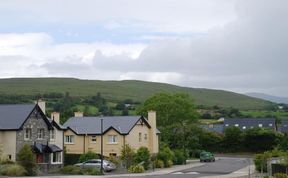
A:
x,y
170,108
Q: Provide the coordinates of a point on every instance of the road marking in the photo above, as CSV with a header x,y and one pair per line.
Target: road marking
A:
x,y
185,173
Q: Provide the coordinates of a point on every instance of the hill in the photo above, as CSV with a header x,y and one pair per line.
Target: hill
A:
x,y
275,99
128,89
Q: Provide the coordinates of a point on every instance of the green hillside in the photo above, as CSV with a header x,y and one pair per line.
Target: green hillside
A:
x,y
121,90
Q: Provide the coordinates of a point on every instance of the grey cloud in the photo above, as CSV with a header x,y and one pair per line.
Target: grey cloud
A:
x,y
250,52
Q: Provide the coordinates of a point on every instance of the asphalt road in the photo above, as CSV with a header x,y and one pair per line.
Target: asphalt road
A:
x,y
222,166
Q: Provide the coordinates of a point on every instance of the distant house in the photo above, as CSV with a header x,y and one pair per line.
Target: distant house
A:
x,y
250,123
283,126
22,124
218,128
83,134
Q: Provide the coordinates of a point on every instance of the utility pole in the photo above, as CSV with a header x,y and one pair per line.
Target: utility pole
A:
x,y
101,168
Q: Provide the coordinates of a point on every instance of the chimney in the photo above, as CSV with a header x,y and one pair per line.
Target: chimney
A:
x,y
78,114
42,105
56,117
153,132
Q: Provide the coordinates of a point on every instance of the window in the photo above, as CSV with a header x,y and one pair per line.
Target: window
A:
x,y
236,125
93,139
244,127
270,125
112,138
260,125
145,136
52,134
40,133
56,157
140,137
28,134
226,125
69,139
10,157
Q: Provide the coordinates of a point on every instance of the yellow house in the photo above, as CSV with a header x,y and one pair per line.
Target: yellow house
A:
x,y
83,134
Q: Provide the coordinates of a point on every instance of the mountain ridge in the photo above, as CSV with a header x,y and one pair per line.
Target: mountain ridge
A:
x,y
126,89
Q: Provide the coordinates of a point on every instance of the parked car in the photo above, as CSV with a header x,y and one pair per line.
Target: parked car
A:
x,y
92,163
206,156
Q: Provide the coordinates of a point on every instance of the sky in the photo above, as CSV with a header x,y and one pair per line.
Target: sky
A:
x,y
235,45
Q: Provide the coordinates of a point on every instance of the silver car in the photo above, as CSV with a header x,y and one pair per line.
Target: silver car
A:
x,y
92,163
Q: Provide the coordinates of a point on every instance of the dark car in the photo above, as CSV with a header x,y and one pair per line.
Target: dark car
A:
x,y
206,156
96,163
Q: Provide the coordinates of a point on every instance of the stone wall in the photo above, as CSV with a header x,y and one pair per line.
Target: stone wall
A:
x,y
35,121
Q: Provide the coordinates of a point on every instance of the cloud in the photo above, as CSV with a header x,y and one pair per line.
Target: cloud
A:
x,y
248,54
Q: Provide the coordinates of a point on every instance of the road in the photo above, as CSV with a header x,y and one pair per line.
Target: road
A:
x,y
222,166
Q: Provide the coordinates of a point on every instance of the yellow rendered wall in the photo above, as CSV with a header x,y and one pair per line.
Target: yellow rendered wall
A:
x,y
133,138
9,144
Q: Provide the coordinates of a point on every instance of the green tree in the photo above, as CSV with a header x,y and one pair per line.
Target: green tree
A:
x,y
170,108
27,159
233,139
143,155
127,155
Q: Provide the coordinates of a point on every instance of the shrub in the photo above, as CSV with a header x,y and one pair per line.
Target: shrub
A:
x,y
70,170
127,155
70,159
143,156
136,169
166,155
113,159
169,163
159,164
74,170
87,156
280,175
13,170
260,161
27,159
179,158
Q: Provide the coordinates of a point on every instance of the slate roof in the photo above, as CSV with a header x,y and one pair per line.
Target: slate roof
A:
x,y
92,125
248,123
13,116
219,128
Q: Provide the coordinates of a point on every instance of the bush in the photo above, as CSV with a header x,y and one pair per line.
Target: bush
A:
x,y
27,159
87,156
179,158
280,175
166,155
143,156
13,170
136,169
169,163
260,161
70,159
159,164
74,170
127,155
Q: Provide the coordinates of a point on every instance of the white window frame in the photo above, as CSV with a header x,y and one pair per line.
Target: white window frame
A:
x,y
93,139
58,158
28,136
244,127
270,125
40,133
236,125
260,125
112,139
52,135
69,139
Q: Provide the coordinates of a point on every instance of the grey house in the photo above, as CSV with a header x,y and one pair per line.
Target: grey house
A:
x,y
250,123
218,128
22,124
